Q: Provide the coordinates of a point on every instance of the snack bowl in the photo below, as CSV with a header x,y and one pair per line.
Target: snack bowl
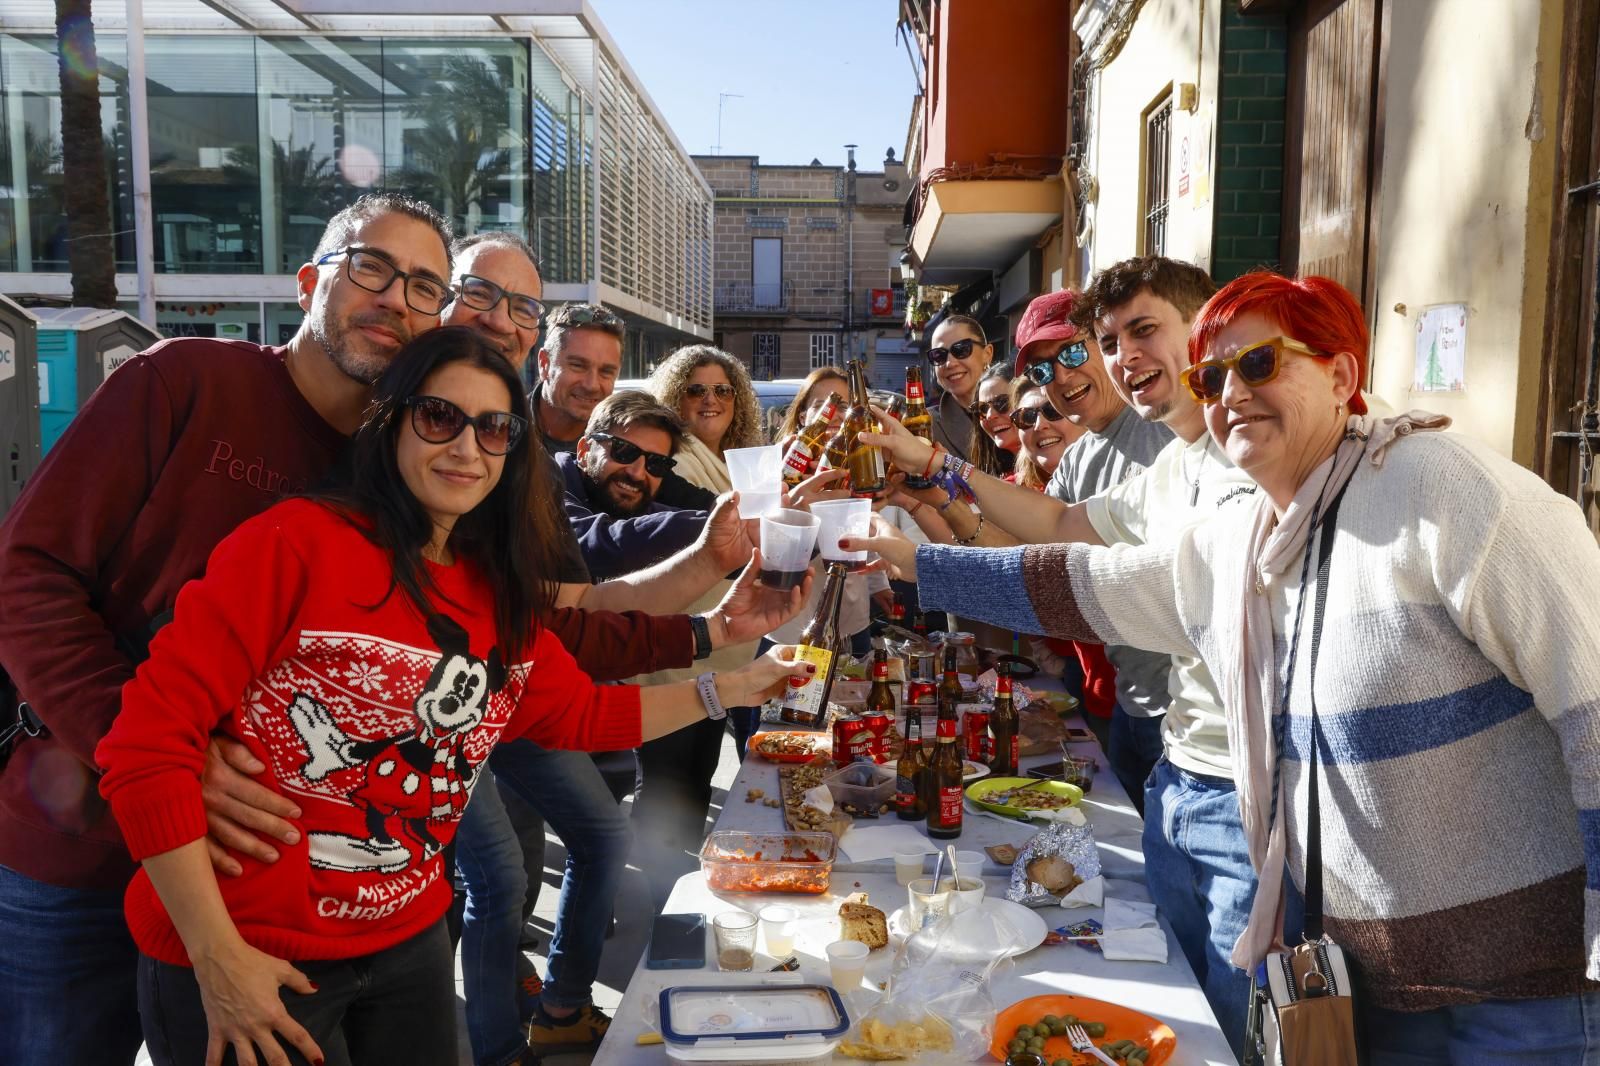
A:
x,y
733,860
862,786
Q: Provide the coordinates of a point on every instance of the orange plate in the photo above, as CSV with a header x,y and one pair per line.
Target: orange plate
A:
x,y
1120,1022
825,747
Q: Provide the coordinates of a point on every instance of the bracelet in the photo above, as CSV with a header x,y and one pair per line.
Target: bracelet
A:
x,y
707,684
931,457
913,512
967,542
702,635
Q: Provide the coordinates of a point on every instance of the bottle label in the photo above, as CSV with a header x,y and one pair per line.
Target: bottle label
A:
x,y
950,805
905,793
797,461
1016,748
880,671
913,390
946,729
1002,686
805,694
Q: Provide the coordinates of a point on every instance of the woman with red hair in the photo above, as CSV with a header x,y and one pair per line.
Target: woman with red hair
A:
x,y
1400,615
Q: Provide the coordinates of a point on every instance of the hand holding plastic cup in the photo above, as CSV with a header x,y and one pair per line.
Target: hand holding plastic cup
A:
x,y
843,518
777,928
787,538
757,476
847,964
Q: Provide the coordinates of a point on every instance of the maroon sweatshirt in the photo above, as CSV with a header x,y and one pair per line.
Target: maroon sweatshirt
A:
x,y
177,448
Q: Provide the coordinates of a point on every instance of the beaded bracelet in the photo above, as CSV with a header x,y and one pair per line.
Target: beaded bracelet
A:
x,y
967,541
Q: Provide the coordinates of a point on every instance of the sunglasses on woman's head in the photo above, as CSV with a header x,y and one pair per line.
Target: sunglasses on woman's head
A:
x,y
626,453
1028,417
999,405
438,421
697,391
1072,356
1256,364
960,349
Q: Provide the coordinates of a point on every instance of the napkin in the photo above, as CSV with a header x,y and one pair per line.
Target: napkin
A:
x,y
881,842
1132,932
1089,894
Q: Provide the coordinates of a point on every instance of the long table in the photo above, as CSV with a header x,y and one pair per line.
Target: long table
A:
x,y
1166,991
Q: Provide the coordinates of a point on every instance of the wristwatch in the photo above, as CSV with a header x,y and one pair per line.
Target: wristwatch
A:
x,y
702,636
707,684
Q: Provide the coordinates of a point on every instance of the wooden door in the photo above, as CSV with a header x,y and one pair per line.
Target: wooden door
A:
x,y
1333,135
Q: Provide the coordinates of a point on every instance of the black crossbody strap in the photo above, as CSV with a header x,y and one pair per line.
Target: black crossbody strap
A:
x,y
1313,915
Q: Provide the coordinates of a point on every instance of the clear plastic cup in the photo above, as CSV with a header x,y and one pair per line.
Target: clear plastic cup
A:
x,y
969,864
842,518
757,476
736,940
787,538
777,929
847,964
907,866
927,903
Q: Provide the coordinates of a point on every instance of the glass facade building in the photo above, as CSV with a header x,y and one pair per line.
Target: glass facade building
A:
x,y
262,123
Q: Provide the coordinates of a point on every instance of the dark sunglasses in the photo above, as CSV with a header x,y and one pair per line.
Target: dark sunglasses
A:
x,y
697,390
481,294
961,349
626,453
1028,417
438,421
1256,365
1072,356
999,405
586,316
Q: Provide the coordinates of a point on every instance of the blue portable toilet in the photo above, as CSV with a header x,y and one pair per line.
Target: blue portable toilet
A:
x,y
19,400
79,347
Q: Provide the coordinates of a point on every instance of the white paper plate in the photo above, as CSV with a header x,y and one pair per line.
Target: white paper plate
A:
x,y
1030,928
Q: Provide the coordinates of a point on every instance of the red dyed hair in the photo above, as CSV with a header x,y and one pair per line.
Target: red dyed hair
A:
x,y
1317,311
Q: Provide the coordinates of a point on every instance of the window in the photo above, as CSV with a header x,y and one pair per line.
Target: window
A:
x,y
824,349
766,272
1157,174
764,365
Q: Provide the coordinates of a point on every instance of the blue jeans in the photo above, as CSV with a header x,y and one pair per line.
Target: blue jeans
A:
x,y
67,968
1198,870
567,789
1497,1032
1133,749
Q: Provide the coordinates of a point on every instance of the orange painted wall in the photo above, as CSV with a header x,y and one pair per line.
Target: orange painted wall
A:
x,y
998,83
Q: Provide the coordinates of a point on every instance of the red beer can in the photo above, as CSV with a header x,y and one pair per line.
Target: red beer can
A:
x,y
877,723
975,737
849,738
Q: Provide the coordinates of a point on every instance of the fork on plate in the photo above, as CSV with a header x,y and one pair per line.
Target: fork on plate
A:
x,y
1080,1042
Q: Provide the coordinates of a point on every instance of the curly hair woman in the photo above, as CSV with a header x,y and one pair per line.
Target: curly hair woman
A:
x,y
711,392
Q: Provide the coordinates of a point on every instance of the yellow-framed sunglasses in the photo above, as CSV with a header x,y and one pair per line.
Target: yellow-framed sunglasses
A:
x,y
1256,364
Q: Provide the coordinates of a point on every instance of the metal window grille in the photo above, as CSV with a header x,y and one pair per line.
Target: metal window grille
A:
x,y
824,350
1157,176
765,364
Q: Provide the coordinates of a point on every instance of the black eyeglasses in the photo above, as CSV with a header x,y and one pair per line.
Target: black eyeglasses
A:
x,y
1072,356
481,294
1028,417
626,453
371,271
961,349
999,405
698,389
438,421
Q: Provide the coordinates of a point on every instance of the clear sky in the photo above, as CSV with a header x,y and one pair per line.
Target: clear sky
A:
x,y
813,75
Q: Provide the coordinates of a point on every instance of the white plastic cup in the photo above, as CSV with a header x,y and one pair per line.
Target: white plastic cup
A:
x,y
907,866
757,476
777,927
969,865
787,538
847,964
842,518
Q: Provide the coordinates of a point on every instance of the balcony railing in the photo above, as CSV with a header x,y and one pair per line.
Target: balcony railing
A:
x,y
750,298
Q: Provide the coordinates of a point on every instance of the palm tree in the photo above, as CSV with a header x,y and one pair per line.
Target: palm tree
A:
x,y
90,253
455,159
307,184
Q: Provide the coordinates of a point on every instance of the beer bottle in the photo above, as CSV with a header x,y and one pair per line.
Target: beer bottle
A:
x,y
911,772
805,702
880,697
944,768
867,473
917,419
808,445
1003,724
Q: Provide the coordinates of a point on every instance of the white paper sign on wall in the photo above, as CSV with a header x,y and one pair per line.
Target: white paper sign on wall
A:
x,y
112,358
8,356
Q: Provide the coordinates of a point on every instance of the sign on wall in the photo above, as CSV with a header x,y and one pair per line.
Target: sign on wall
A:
x,y
112,358
8,356
1441,357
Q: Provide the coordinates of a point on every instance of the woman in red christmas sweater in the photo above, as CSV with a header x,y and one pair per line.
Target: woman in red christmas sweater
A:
x,y
370,646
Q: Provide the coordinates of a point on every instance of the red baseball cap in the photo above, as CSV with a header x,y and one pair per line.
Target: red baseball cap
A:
x,y
1045,320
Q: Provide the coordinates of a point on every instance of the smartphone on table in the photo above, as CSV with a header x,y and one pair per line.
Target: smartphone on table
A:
x,y
677,942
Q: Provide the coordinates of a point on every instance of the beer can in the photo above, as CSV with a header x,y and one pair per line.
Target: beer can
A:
x,y
975,734
877,726
848,738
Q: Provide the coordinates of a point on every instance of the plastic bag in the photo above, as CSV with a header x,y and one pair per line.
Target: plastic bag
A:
x,y
938,1008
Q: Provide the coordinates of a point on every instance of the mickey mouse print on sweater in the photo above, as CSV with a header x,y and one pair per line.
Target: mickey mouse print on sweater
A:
x,y
389,775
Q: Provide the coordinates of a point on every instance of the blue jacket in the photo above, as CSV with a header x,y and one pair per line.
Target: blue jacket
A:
x,y
615,546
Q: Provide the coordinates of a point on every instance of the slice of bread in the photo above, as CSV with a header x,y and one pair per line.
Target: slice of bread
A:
x,y
863,922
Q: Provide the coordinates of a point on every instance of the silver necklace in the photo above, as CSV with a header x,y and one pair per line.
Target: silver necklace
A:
x,y
1194,482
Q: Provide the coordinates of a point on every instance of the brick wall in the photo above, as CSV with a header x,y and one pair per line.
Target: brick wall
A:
x,y
1250,143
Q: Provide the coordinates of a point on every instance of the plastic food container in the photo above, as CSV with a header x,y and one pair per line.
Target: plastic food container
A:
x,y
765,1024
736,861
862,787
